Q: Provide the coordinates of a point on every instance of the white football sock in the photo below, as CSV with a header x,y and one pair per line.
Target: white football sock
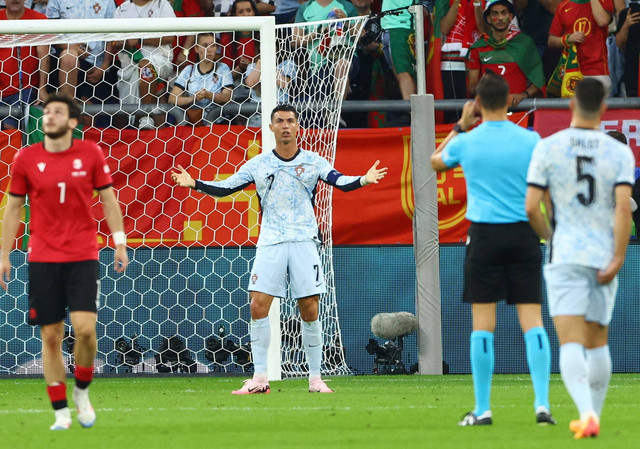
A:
x,y
573,368
63,413
260,339
312,344
599,367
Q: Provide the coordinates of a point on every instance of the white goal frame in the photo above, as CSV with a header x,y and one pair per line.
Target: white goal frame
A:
x,y
21,32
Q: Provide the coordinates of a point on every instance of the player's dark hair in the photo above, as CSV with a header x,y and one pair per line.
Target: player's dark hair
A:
x,y
74,109
285,108
493,91
618,136
590,94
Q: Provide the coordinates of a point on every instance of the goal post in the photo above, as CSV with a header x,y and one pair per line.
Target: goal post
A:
x,y
190,254
80,30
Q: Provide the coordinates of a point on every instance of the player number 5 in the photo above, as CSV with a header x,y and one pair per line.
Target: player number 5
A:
x,y
63,191
581,161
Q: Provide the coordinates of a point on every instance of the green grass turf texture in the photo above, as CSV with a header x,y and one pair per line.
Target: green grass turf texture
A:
x,y
365,412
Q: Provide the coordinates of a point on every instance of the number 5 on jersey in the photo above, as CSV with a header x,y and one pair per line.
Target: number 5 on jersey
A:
x,y
580,162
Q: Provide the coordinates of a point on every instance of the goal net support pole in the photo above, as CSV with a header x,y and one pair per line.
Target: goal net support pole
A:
x,y
426,242
425,236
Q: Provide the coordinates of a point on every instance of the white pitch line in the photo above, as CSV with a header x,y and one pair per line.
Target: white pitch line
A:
x,y
273,409
230,409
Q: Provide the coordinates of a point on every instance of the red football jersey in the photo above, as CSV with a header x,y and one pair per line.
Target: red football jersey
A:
x,y
498,61
60,188
234,47
592,53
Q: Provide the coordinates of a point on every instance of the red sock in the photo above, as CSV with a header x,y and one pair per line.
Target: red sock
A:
x,y
84,376
58,395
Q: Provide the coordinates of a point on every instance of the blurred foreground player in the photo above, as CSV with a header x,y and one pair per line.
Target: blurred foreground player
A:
x,y
589,177
60,176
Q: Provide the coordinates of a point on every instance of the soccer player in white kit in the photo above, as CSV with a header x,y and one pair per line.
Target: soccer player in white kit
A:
x,y
286,180
589,177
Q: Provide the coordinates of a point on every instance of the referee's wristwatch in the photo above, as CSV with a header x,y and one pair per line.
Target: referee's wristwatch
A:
x,y
457,128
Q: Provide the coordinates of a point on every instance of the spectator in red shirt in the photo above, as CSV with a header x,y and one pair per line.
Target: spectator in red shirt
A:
x,y
457,21
585,24
24,69
221,8
186,8
241,47
506,52
183,53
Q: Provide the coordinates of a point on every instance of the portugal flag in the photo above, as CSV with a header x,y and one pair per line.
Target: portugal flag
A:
x,y
516,47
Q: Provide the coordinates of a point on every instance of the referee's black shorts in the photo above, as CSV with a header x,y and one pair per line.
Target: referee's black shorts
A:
x,y
55,286
503,261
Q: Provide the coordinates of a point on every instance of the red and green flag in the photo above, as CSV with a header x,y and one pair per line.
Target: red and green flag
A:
x,y
516,47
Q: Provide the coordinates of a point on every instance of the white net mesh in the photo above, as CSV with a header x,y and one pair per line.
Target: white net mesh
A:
x,y
322,81
182,303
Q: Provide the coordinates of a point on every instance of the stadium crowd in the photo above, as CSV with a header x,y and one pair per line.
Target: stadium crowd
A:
x,y
525,41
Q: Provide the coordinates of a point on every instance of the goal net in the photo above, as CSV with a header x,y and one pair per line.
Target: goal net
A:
x,y
193,99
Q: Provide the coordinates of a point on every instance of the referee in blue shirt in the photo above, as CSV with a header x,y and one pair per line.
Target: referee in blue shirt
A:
x,y
503,256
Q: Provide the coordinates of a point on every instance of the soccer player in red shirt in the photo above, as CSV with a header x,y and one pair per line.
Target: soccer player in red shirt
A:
x,y
508,53
585,24
60,175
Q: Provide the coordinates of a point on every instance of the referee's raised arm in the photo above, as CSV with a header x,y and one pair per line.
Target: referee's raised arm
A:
x,y
469,119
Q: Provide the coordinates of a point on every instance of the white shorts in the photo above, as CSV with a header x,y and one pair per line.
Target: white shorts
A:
x,y
300,260
574,290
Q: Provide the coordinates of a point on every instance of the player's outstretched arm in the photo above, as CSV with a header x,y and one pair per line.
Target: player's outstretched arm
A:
x,y
234,183
375,174
182,178
10,226
113,214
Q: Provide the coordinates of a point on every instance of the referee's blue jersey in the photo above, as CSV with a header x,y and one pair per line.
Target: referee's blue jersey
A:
x,y
495,158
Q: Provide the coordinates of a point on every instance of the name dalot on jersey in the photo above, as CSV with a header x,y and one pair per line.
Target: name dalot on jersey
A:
x,y
584,143
77,166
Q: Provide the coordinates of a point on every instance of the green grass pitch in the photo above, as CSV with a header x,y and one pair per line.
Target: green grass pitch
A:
x,y
365,412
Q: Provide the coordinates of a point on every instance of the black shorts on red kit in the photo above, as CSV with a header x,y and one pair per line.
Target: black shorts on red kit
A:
x,y
55,286
503,261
